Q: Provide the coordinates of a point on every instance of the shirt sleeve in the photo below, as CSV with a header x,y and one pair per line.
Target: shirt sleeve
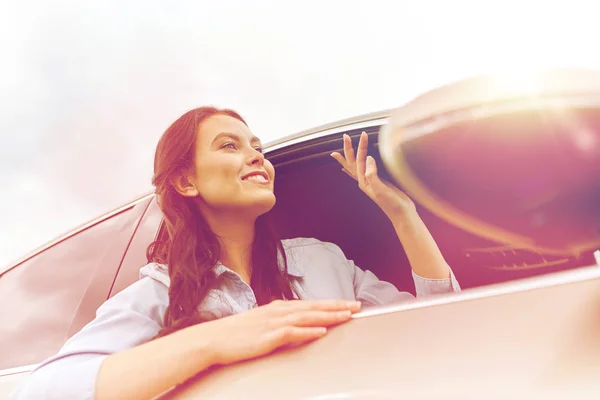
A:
x,y
427,287
371,291
130,318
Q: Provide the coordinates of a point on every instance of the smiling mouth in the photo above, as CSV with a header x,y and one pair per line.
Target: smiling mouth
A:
x,y
257,177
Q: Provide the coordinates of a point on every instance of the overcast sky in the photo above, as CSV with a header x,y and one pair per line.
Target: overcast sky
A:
x,y
87,87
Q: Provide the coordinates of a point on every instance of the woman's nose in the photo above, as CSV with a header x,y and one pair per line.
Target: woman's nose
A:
x,y
256,157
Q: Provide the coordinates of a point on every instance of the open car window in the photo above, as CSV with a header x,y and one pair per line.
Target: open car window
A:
x,y
316,199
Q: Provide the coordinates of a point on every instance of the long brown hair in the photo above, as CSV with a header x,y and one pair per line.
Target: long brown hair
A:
x,y
192,249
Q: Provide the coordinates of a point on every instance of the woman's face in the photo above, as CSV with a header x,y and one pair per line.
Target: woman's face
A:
x,y
231,172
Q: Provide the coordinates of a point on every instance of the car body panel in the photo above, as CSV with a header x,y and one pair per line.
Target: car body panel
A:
x,y
537,338
135,257
42,312
104,277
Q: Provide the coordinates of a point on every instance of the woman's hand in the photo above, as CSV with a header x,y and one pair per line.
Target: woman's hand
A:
x,y
392,201
424,256
279,324
158,365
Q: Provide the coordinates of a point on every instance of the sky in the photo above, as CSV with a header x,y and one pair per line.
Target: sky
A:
x,y
88,87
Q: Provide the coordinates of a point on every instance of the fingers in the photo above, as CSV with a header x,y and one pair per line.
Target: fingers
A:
x,y
361,157
344,170
339,158
288,306
371,169
316,318
348,150
354,166
279,324
306,325
290,336
347,160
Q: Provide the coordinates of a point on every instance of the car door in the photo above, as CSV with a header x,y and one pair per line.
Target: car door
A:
x,y
53,293
136,256
511,340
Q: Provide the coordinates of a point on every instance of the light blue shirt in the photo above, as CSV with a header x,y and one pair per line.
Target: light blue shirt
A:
x,y
319,270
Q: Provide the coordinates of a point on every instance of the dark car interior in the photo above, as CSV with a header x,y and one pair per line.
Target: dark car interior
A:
x,y
316,199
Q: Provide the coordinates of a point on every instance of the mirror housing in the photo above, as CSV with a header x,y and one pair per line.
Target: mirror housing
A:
x,y
515,160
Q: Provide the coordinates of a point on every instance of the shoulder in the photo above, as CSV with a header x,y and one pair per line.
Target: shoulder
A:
x,y
309,243
308,253
157,272
312,245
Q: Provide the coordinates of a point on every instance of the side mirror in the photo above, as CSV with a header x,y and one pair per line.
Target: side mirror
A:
x,y
517,164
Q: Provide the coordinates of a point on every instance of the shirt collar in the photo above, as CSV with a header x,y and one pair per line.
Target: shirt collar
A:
x,y
294,269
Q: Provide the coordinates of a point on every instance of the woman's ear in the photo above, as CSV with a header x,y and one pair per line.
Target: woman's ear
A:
x,y
184,184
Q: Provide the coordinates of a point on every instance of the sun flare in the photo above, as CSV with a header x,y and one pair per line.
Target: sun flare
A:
x,y
519,81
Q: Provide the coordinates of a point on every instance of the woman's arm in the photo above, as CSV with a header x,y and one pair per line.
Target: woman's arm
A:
x,y
157,366
430,271
113,357
130,318
425,257
145,371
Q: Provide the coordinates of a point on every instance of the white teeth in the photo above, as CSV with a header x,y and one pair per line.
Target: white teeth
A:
x,y
257,178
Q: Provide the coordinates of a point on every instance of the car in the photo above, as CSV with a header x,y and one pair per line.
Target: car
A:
x,y
526,321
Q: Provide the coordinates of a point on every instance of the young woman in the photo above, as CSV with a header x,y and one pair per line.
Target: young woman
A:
x,y
220,300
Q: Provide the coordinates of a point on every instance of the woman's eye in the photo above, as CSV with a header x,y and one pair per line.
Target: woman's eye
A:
x,y
259,149
228,145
